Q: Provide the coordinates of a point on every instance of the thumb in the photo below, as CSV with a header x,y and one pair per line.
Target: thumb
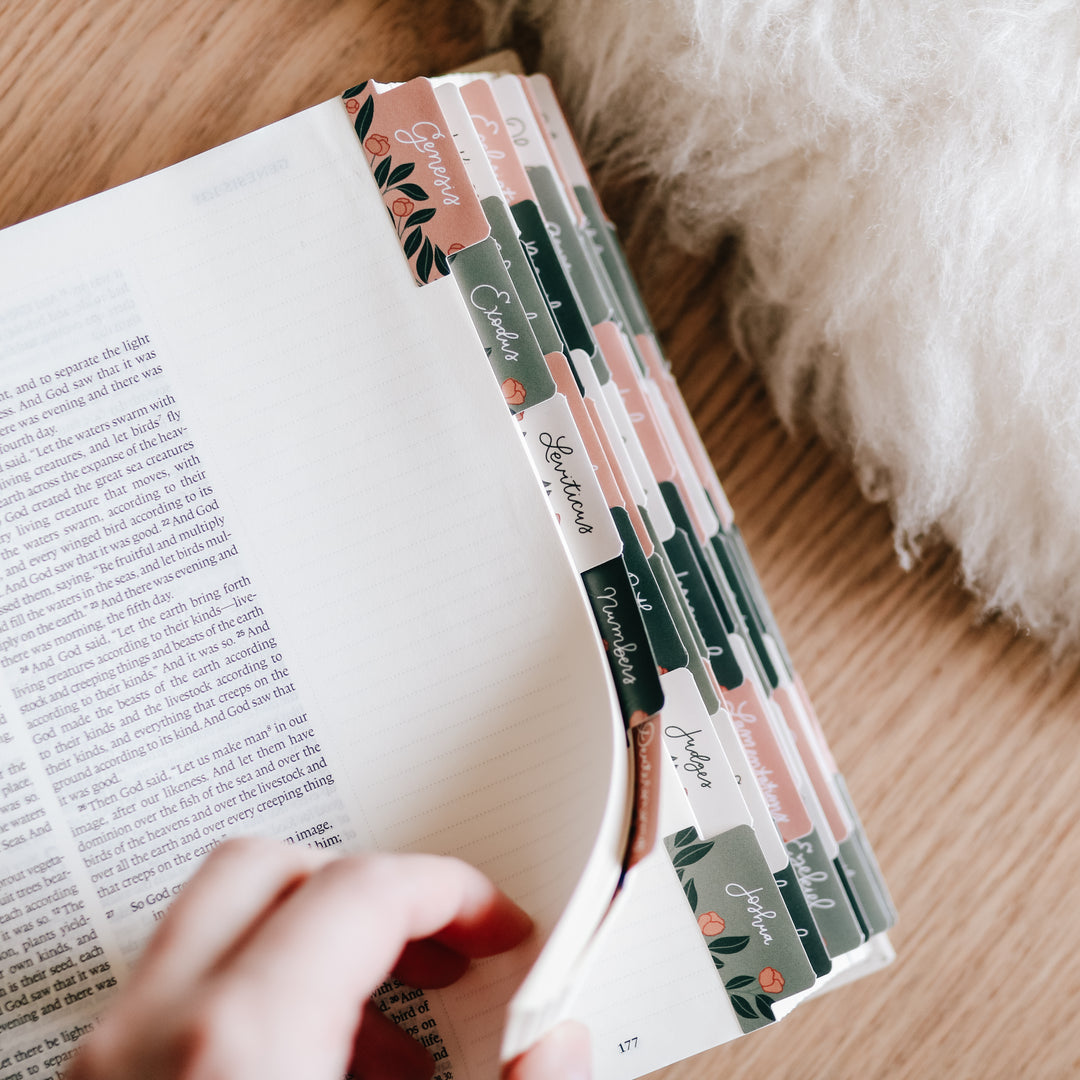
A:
x,y
562,1054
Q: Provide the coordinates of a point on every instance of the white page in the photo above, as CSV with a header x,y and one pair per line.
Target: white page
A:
x,y
438,650
650,994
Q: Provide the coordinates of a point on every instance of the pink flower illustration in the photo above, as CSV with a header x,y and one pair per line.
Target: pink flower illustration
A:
x,y
453,249
710,924
402,207
772,982
376,144
512,390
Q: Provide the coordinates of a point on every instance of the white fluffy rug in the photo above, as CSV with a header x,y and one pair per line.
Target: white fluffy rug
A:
x,y
904,181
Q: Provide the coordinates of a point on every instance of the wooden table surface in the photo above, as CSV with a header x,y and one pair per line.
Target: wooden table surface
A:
x,y
960,741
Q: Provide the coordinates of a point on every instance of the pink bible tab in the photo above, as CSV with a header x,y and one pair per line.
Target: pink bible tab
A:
x,y
684,422
750,718
497,142
805,744
647,747
627,378
567,386
408,146
553,150
628,503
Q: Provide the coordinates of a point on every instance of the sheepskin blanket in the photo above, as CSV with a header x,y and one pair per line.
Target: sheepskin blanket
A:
x,y
903,183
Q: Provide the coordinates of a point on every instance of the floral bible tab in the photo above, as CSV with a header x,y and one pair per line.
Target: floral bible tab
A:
x,y
407,144
746,931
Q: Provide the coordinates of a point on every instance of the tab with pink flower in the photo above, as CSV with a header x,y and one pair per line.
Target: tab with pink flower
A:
x,y
407,144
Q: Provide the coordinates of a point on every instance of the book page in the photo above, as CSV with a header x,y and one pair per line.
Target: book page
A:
x,y
274,560
649,993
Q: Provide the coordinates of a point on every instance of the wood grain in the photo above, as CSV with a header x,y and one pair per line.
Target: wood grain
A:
x,y
960,741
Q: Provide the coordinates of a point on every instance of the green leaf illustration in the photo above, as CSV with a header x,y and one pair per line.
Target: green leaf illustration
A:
x,y
418,217
354,90
764,1005
739,981
400,173
364,118
691,894
440,261
692,854
743,1007
413,191
412,241
424,261
686,836
717,962
728,944
382,170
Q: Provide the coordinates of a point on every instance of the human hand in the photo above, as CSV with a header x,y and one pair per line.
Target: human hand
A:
x,y
264,965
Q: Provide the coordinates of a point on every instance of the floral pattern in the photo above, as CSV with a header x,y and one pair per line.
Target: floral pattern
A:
x,y
399,191
513,391
376,144
688,850
710,924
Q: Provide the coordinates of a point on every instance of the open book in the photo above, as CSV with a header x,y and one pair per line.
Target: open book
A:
x,y
347,498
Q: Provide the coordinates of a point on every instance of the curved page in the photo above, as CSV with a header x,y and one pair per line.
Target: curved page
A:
x,y
274,561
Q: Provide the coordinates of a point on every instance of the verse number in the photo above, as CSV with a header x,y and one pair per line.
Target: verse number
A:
x,y
628,1045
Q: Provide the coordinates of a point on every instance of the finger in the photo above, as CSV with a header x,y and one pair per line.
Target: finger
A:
x,y
332,943
562,1054
491,930
236,886
385,1052
429,964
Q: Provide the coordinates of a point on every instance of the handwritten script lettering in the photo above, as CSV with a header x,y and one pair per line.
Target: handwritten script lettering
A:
x,y
486,299
620,647
743,718
556,451
697,760
494,156
645,828
754,908
556,242
423,135
642,601
808,877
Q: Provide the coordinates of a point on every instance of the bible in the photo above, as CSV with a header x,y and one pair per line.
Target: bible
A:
x,y
347,498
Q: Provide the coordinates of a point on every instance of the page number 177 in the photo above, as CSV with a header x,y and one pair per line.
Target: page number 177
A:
x,y
628,1045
